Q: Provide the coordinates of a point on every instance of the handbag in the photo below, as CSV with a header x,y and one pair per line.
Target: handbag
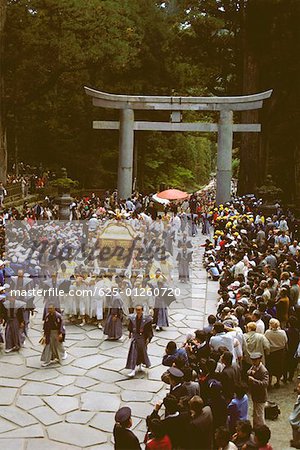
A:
x,y
272,410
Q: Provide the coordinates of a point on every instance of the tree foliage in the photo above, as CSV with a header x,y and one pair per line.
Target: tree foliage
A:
x,y
181,47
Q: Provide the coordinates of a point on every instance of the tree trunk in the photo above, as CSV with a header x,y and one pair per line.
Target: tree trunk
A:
x,y
249,174
3,142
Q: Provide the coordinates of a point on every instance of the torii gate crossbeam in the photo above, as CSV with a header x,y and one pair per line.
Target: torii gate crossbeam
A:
x,y
225,127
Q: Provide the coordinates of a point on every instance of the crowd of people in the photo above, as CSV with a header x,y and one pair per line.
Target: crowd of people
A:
x,y
251,341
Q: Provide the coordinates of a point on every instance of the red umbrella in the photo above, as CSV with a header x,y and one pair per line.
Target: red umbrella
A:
x,y
173,194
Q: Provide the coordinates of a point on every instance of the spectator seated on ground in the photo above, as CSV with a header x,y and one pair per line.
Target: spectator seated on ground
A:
x,y
213,271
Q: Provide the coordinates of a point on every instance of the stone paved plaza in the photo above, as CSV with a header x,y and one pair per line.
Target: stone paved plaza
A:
x,y
72,406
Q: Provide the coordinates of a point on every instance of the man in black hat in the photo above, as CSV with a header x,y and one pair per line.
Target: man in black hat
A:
x,y
258,379
178,389
124,438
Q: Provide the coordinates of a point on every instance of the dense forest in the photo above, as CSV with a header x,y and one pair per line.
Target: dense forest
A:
x,y
50,49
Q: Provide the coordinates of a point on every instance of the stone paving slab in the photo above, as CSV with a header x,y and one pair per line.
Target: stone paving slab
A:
x,y
7,395
5,425
46,415
80,417
29,402
33,431
62,404
45,444
79,352
17,416
10,382
10,371
63,380
13,358
14,444
42,375
71,370
76,435
36,388
84,382
100,401
70,391
140,385
89,362
105,387
115,364
136,396
106,376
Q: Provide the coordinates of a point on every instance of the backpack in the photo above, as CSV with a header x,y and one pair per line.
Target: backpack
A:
x,y
272,411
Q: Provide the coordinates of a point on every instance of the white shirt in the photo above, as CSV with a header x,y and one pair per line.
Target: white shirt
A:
x,y
260,327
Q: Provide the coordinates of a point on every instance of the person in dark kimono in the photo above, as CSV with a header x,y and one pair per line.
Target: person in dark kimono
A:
x,y
168,239
23,284
113,324
184,259
160,316
52,286
14,324
54,336
205,222
140,333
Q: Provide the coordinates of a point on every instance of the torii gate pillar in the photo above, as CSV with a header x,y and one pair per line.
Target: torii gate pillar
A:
x,y
126,143
225,127
224,157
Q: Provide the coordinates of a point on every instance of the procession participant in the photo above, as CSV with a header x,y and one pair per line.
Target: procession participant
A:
x,y
113,324
185,241
54,336
51,287
168,237
97,299
76,302
126,294
13,317
160,317
23,284
140,333
175,225
137,294
162,265
184,258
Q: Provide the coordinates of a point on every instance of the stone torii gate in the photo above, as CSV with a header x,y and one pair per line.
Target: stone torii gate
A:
x,y
225,127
